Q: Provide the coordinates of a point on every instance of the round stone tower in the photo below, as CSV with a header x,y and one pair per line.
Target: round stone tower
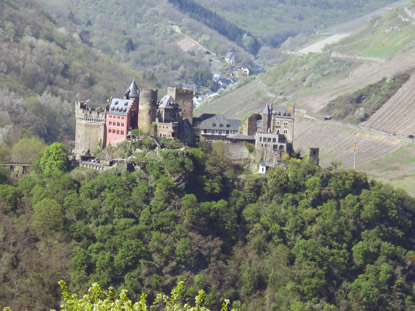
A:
x,y
147,107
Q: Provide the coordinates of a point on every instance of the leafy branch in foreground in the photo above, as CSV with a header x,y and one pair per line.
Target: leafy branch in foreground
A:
x,y
104,300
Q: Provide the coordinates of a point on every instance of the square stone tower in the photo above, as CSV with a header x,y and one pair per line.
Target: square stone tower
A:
x,y
184,97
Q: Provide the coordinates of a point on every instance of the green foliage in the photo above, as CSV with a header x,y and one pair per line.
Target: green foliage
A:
x,y
300,238
26,150
54,160
47,218
105,300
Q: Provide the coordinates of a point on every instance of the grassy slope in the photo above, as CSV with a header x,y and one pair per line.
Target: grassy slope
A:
x,y
384,37
276,18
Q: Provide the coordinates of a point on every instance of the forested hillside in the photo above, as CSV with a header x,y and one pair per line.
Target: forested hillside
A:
x,y
140,34
301,238
274,21
42,69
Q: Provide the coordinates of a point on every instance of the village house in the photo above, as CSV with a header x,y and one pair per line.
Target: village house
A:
x,y
240,72
230,57
216,127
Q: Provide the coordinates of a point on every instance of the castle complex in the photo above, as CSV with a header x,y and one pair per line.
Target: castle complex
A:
x,y
272,131
172,117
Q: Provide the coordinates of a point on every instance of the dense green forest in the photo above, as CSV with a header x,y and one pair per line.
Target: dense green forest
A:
x,y
300,238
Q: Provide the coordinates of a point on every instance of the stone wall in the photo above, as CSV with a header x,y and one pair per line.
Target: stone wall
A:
x,y
88,136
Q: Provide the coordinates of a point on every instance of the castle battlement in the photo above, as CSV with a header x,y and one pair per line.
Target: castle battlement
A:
x,y
88,114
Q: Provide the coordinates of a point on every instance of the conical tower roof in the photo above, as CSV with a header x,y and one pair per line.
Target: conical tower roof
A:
x,y
133,91
266,109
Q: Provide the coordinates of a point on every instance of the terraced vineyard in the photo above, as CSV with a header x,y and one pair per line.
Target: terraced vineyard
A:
x,y
398,114
336,139
396,168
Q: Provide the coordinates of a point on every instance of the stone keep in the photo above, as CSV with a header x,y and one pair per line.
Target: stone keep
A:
x,y
89,128
184,97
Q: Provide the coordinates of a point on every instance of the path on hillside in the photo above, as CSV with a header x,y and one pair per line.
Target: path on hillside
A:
x,y
335,54
178,30
397,115
318,46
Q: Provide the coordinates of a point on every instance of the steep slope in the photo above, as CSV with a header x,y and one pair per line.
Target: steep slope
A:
x,y
143,34
398,114
276,20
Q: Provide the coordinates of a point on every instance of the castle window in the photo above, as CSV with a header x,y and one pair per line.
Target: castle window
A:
x,y
118,132
285,132
110,123
213,124
274,140
285,124
228,125
220,125
122,132
260,139
118,123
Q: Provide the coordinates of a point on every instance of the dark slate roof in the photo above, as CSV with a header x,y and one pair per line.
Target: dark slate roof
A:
x,y
133,90
168,102
120,107
283,111
219,122
240,136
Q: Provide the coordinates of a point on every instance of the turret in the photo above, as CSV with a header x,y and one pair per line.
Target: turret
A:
x,y
147,108
132,91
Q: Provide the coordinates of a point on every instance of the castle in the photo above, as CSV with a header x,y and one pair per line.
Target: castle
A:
x,y
172,117
272,131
